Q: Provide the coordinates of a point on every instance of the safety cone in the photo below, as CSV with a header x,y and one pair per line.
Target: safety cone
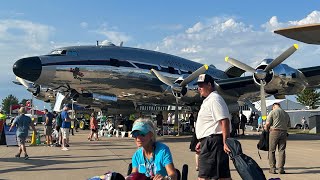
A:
x,y
33,139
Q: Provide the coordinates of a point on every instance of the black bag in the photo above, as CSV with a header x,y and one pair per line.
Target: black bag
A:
x,y
263,143
247,168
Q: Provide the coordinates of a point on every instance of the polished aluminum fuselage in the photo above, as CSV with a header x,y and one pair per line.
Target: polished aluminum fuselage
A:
x,y
88,69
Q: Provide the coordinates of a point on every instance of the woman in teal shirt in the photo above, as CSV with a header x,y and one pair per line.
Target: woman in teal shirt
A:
x,y
153,158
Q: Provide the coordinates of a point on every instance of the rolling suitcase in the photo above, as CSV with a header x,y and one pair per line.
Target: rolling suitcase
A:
x,y
247,168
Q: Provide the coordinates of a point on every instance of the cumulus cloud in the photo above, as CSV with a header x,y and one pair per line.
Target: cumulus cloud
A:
x,y
273,23
112,34
210,40
21,32
84,25
19,38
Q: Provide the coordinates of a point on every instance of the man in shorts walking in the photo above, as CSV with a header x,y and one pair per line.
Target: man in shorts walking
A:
x,y
65,127
23,122
48,126
212,130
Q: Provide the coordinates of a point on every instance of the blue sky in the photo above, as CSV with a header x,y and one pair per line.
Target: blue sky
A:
x,y
205,31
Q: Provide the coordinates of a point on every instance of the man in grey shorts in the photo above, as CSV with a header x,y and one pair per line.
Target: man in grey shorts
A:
x,y
23,122
48,126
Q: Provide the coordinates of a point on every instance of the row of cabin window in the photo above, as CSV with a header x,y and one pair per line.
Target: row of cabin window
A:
x,y
117,63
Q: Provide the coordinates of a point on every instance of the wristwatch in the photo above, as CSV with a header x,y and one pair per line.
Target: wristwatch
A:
x,y
168,178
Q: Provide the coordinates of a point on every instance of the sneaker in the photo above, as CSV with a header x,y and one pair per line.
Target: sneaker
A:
x,y
65,149
67,145
58,145
26,157
281,171
17,156
272,171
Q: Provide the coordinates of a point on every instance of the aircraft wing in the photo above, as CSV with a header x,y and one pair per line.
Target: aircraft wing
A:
x,y
309,34
312,75
240,87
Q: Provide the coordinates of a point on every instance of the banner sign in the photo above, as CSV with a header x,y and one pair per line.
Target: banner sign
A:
x,y
11,137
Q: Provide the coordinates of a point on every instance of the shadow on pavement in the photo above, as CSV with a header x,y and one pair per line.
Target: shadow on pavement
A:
x,y
37,164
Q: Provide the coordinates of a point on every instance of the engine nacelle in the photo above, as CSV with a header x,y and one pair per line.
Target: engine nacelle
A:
x,y
283,79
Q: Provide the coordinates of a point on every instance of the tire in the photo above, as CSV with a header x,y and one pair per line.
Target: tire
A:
x,y
82,125
298,126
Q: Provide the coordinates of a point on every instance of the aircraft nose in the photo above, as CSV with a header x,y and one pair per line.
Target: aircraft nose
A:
x,y
28,68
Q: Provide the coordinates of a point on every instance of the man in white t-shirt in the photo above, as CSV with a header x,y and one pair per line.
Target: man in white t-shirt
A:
x,y
212,130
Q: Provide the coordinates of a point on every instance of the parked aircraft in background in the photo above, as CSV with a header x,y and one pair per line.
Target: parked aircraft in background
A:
x,y
119,76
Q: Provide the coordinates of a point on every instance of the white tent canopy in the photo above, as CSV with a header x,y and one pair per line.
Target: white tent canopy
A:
x,y
284,103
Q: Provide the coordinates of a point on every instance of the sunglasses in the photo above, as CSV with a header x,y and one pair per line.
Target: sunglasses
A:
x,y
135,134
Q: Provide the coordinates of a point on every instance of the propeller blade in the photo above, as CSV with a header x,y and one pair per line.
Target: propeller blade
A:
x,y
263,100
194,75
23,82
239,64
282,57
161,77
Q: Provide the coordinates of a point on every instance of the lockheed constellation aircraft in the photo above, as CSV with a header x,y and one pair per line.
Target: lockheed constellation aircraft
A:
x,y
125,76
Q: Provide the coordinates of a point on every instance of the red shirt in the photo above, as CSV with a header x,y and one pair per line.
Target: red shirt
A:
x,y
93,123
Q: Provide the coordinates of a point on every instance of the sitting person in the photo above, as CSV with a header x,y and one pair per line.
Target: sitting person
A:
x,y
108,127
153,158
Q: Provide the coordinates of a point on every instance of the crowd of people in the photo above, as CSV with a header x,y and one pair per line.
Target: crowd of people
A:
x,y
212,126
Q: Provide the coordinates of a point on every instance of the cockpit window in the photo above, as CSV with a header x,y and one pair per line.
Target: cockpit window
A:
x,y
59,52
72,53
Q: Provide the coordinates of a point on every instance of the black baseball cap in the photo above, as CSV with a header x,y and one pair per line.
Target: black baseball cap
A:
x,y
205,78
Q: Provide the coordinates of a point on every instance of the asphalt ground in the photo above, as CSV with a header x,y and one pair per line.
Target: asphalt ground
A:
x,y
90,158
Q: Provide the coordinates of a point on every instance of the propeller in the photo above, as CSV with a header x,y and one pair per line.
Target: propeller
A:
x,y
261,74
35,90
177,88
23,82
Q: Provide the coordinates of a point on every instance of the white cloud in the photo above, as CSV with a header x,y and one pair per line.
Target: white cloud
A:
x,y
196,28
84,25
209,41
114,36
273,24
22,33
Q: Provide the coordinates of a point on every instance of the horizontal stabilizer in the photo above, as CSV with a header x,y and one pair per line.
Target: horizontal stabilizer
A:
x,y
309,34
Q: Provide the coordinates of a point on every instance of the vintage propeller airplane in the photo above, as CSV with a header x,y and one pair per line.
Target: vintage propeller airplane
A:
x,y
125,76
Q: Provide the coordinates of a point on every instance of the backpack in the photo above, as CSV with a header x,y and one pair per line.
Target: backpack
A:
x,y
59,120
263,143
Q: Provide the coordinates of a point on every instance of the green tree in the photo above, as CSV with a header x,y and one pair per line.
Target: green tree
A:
x,y
7,102
23,101
309,97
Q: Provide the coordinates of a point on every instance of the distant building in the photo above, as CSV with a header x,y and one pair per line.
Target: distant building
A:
x,y
284,103
295,110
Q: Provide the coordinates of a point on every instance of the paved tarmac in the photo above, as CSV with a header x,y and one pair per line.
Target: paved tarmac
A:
x,y
87,159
